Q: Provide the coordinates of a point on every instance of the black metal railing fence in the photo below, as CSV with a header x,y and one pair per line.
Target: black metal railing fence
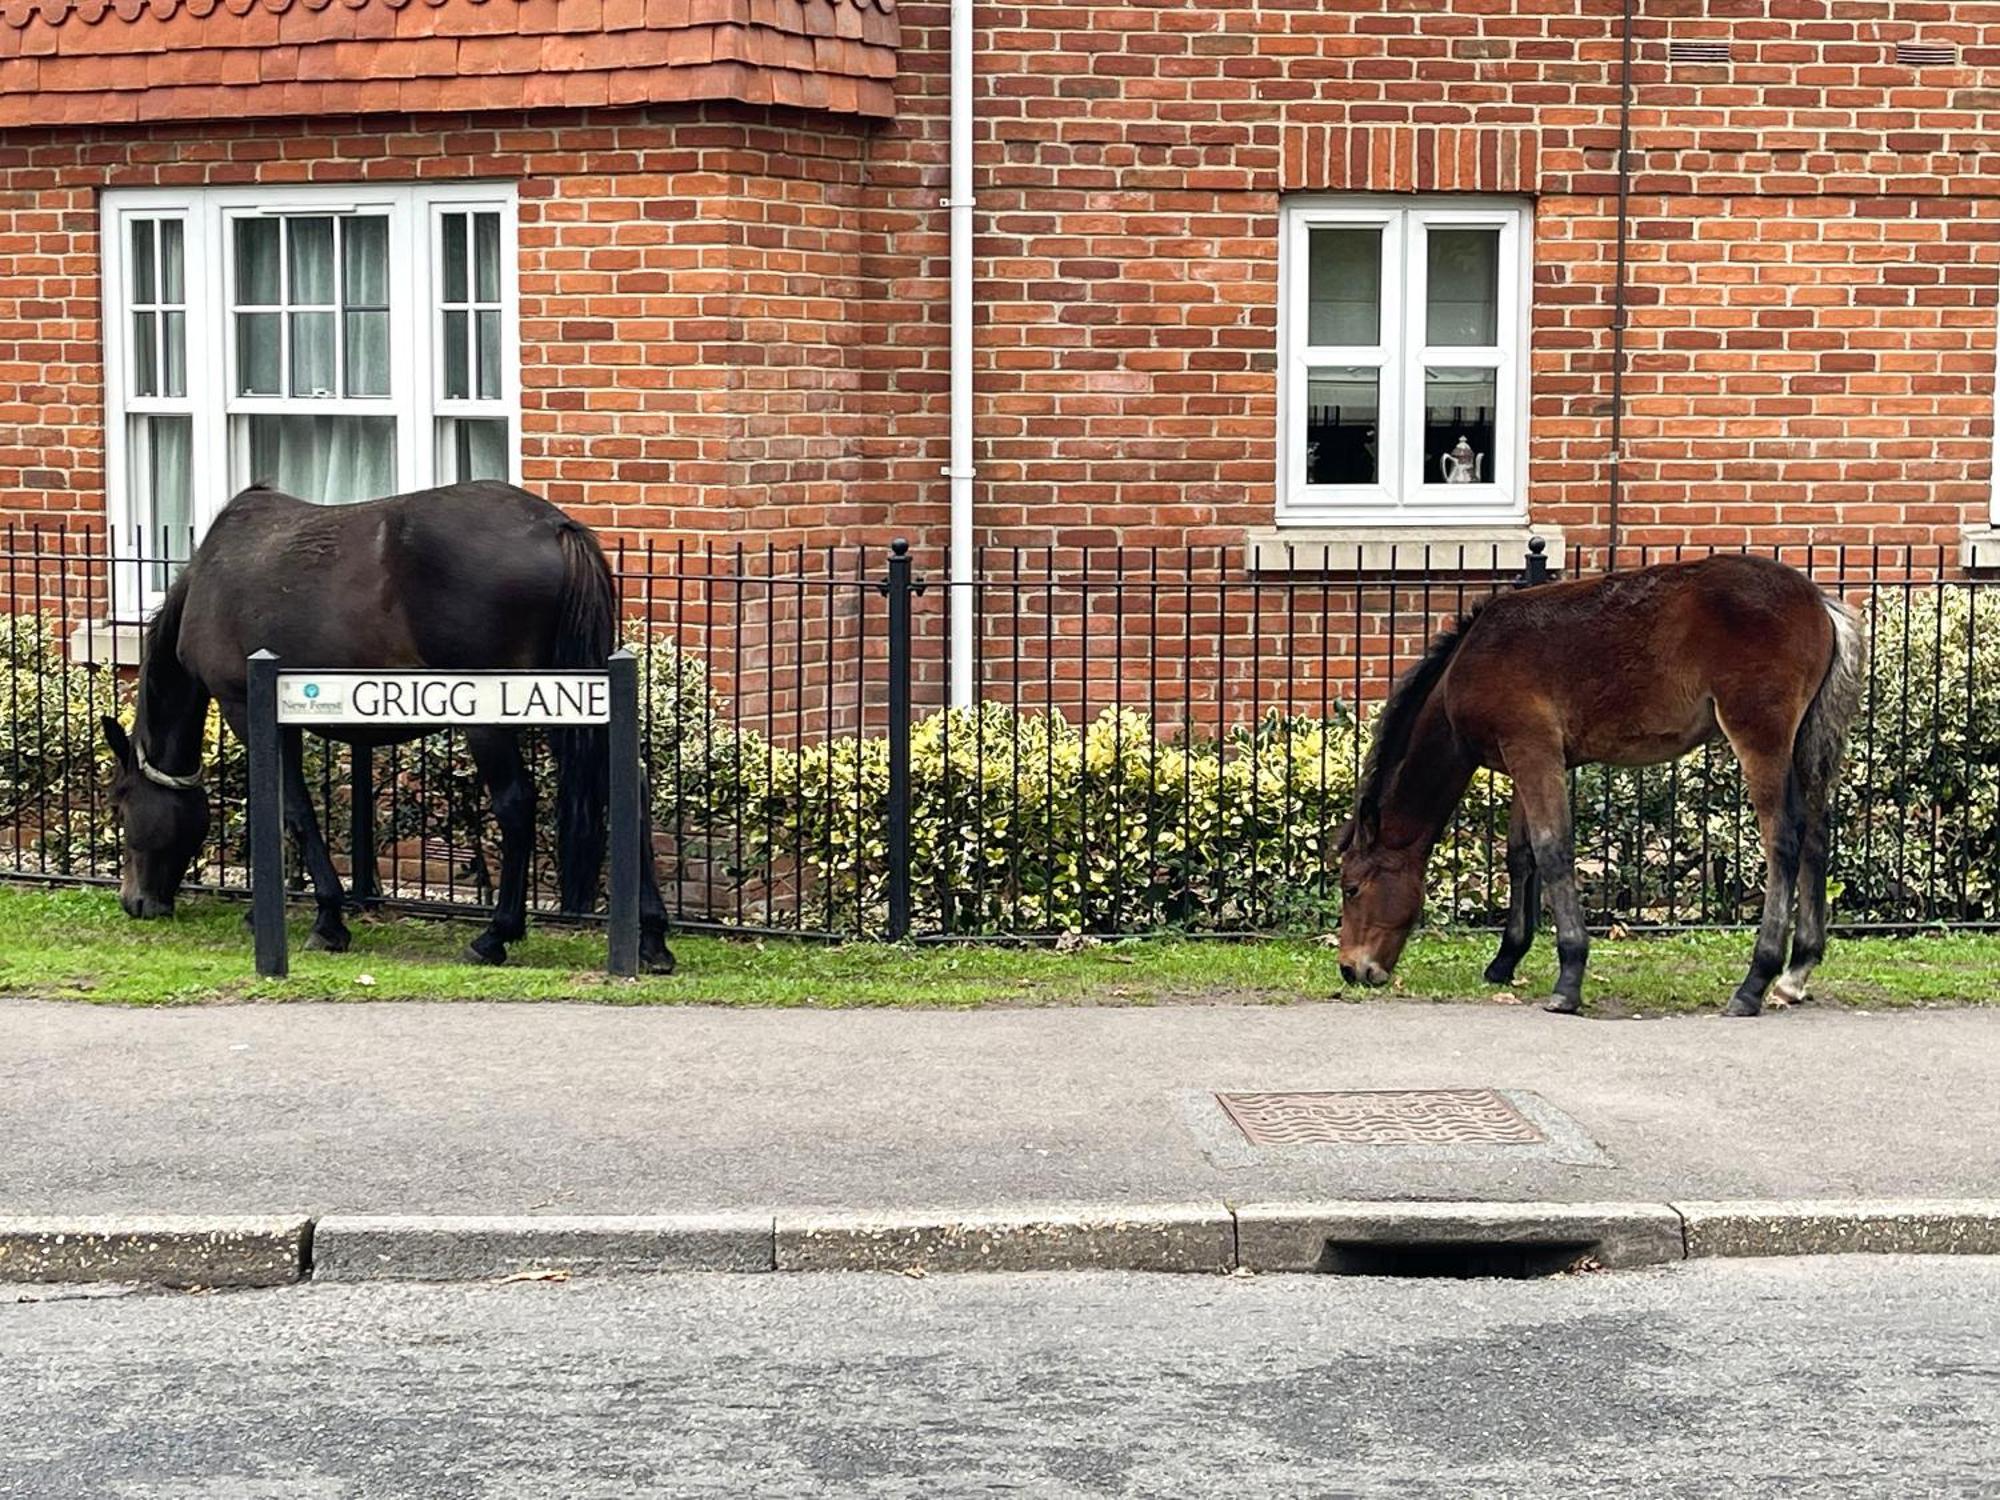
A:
x,y
1164,739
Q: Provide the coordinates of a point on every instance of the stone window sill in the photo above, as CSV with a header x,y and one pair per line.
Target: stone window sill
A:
x,y
103,643
1408,550
1979,549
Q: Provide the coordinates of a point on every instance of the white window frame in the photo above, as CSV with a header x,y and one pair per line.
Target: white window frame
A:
x,y
415,323
1404,495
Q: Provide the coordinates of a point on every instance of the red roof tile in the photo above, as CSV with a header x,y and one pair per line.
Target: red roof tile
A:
x,y
102,61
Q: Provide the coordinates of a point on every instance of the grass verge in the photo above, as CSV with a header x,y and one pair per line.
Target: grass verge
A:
x,y
77,944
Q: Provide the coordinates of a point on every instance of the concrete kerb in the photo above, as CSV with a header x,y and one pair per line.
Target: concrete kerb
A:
x,y
1176,1237
163,1250
1353,1237
409,1248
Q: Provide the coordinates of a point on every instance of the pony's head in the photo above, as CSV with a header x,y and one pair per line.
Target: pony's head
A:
x,y
1381,897
164,820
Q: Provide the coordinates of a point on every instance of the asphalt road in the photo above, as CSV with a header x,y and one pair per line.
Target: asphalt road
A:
x,y
1829,1377
596,1109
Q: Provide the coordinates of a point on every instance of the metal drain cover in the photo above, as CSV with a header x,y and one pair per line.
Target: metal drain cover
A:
x,y
1389,1117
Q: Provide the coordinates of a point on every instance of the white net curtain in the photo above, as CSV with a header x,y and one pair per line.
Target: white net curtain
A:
x,y
312,325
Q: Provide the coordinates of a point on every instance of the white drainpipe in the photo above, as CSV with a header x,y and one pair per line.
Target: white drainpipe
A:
x,y
961,471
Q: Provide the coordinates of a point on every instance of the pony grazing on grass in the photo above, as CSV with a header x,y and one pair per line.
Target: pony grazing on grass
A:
x,y
459,578
1634,669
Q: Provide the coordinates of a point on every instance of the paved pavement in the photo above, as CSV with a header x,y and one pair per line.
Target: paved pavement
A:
x,y
465,1108
1863,1377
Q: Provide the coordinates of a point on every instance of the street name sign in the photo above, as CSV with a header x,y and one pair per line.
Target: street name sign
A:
x,y
518,699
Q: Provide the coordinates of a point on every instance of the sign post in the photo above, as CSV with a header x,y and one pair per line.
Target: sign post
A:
x,y
267,820
622,961
345,698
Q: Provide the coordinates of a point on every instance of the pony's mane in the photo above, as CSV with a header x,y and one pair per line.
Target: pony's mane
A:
x,y
1399,717
160,669
163,631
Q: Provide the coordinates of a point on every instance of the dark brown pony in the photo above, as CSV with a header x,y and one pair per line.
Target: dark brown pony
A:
x,y
1633,669
465,576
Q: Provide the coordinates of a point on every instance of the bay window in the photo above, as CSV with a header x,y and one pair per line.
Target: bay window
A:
x,y
338,343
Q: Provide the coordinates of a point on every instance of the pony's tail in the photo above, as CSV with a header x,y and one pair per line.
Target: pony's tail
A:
x,y
1822,733
586,633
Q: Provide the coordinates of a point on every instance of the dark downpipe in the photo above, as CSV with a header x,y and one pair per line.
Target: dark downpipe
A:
x,y
1618,289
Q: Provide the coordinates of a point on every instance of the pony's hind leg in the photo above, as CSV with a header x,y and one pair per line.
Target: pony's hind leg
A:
x,y
1542,795
655,957
1809,940
497,753
1765,773
329,930
1524,889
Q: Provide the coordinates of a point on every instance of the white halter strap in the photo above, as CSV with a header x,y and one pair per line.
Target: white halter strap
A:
x,y
162,778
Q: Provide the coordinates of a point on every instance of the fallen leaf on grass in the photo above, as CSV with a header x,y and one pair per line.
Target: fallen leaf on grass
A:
x,y
915,1273
367,981
1506,997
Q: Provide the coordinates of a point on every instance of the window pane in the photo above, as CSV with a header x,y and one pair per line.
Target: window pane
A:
x,y
367,353
258,370
327,460
160,459
311,261
457,369
454,258
143,284
1344,280
172,257
257,262
489,356
472,449
486,257
365,262
174,346
1462,290
1343,407
145,354
312,354
1459,405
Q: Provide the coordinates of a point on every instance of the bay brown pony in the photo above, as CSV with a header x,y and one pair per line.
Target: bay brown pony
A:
x,y
1633,669
465,576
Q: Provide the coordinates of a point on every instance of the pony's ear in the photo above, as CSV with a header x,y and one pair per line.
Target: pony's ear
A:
x,y
114,736
1368,818
1343,836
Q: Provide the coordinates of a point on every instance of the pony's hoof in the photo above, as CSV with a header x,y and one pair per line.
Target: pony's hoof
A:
x,y
335,941
1563,1005
1499,973
486,950
659,961
1789,994
1743,1005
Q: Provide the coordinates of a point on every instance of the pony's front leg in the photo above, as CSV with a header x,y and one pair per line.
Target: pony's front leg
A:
x,y
498,755
1524,890
329,930
1541,797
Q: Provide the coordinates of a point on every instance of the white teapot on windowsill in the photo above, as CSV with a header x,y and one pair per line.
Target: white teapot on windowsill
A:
x,y
1462,465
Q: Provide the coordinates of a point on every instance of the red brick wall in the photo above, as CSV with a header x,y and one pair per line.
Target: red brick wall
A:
x,y
733,319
